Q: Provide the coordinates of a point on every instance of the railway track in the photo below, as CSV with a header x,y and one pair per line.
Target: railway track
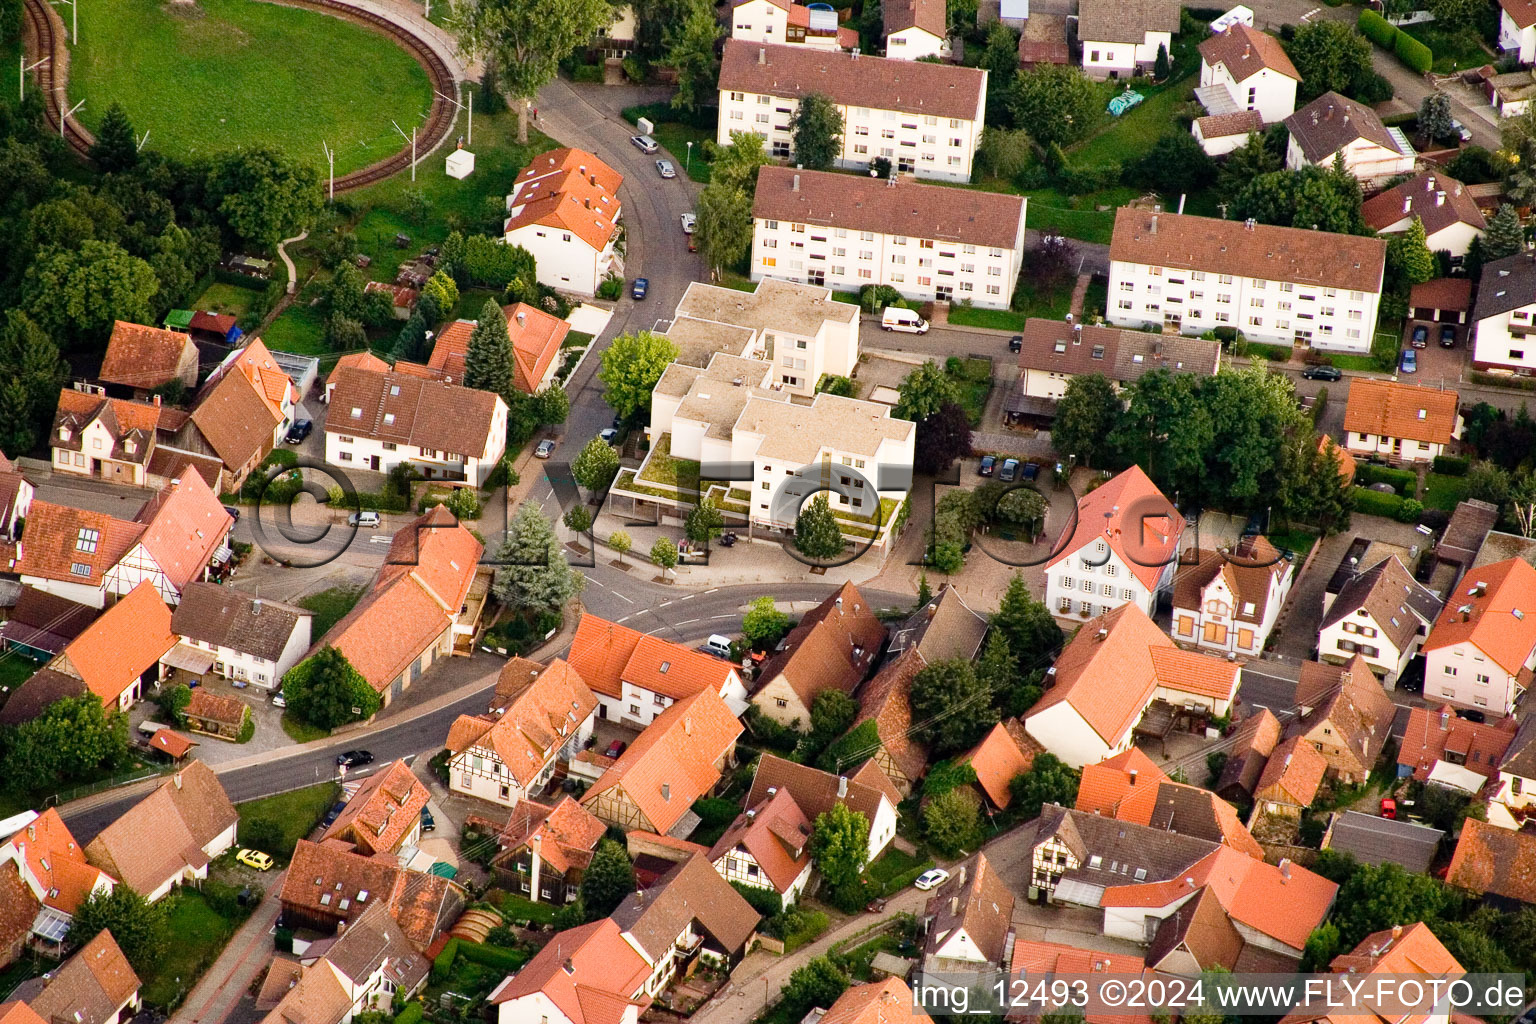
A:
x,y
46,39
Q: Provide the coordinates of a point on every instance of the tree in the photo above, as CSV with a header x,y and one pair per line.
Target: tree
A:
x,y
265,834
1000,58
704,521
1457,12
952,709
621,542
832,712
997,667
1313,196
115,148
691,53
31,373
1376,897
817,534
596,465
1054,262
764,624
817,128
1249,161
630,368
817,984
942,438
664,554
1435,120
488,357
77,294
1032,633
1176,163
578,518
952,821
344,334
1048,781
1409,260
443,288
266,197
526,40
140,928
1312,488
924,392
1085,416
324,688
608,879
74,738
532,572
1022,507
723,229
552,405
1330,56
840,845
1055,103
737,164
1505,236
1160,65
924,592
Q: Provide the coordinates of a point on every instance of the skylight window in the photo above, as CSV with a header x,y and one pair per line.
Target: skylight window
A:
x,y
87,540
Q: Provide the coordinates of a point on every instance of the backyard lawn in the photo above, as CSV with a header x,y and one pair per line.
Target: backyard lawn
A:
x,y
297,812
674,138
1122,138
226,298
206,78
199,934
299,329
993,319
1444,492
329,606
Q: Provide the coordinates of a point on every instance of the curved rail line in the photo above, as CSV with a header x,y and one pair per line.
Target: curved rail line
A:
x,y
46,38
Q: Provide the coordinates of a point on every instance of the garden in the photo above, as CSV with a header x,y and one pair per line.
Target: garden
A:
x,y
275,824
208,77
201,922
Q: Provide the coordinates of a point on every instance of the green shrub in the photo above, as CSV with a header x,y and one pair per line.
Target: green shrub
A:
x,y
282,939
1413,53
443,962
1403,481
410,1015
764,901
490,956
1452,465
1374,503
1410,510
1377,29
592,73
713,810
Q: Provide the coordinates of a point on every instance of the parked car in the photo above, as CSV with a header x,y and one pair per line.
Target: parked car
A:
x,y
1031,471
299,431
1420,336
640,287
608,435
278,700
898,318
1462,131
544,449
354,758
616,748
931,879
428,823
234,513
689,222
1323,373
364,520
727,540
987,466
1016,343
254,859
332,814
1410,363
644,143
1010,471
1471,715
718,645
1447,336
665,169
1388,807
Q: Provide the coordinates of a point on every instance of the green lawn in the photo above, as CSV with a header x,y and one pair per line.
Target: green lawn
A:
x,y
1122,139
519,909
297,812
994,319
15,669
198,935
300,329
1444,492
662,468
330,606
1299,541
1054,212
674,138
226,298
211,77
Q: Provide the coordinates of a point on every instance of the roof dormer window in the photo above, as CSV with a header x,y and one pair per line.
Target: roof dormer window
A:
x,y
63,433
87,540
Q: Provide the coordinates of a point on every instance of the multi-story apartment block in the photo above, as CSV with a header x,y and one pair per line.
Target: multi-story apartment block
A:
x,y
1274,284
924,118
783,21
565,210
1504,319
928,242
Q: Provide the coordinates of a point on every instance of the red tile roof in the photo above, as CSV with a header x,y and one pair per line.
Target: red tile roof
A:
x,y
329,880
536,339
1246,51
606,655
1521,12
1293,774
183,526
1490,859
672,763
1142,527
1410,411
383,811
1037,959
1003,754
831,648
52,542
1448,294
1432,733
145,357
568,189
57,862
1105,785
239,408
590,973
1494,609
538,721
776,833
360,361
877,1002
118,648
169,741
1189,810
567,834
167,832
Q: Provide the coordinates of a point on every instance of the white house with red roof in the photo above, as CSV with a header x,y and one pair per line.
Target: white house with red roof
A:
x,y
564,209
1517,29
768,846
585,975
120,652
47,860
1109,674
636,676
784,21
1482,648
1227,601
1123,549
536,339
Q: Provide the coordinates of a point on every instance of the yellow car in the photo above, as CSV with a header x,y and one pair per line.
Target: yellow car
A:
x,y
254,859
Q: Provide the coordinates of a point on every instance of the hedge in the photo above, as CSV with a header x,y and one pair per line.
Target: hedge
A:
x,y
487,955
896,883
1413,53
410,1015
1377,29
443,962
1374,503
1452,465
1402,480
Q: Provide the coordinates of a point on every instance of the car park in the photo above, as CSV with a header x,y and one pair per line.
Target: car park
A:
x,y
364,520
1031,471
1010,471
299,431
1323,373
254,859
1410,363
544,449
665,169
354,758
644,143
987,466
639,288
931,879
1420,336
1447,336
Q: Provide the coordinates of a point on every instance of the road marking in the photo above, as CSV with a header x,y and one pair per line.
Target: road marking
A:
x,y
598,582
626,618
663,604
690,597
686,622
620,593
722,616
711,591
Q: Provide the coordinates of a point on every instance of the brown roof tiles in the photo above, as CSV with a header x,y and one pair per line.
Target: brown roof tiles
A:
x,y
166,832
538,721
408,410
815,791
1331,122
976,899
1125,21
692,892
383,811
118,648
1490,859
229,618
1409,411
776,833
1438,201
91,986
569,189
832,647
1246,51
146,357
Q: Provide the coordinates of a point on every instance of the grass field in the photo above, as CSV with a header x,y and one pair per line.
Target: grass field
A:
x,y
1444,492
199,933
1122,139
226,298
299,329
674,138
297,812
330,606
228,73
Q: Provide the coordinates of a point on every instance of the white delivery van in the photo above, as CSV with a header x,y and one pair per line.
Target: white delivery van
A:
x,y
717,644
897,319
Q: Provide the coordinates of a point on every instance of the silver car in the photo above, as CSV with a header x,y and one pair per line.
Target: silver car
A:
x,y
666,169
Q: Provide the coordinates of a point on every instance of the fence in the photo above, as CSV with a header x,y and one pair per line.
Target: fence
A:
x,y
110,782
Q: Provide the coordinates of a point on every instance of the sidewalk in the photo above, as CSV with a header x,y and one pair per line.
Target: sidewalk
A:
x,y
246,956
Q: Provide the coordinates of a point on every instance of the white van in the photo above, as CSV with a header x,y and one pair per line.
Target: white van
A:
x,y
896,318
718,644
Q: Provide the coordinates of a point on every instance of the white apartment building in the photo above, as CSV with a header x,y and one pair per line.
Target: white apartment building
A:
x,y
379,420
249,638
799,328
783,21
1482,648
915,29
1332,126
1504,319
1245,69
1122,38
928,242
926,119
564,209
1280,285
1517,29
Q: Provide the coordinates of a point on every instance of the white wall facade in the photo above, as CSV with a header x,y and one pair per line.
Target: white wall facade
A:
x,y
1504,341
639,705
350,451
1267,91
941,148
565,260
1362,158
740,866
1397,448
1221,145
1064,732
1462,674
80,593
1074,586
1513,37
261,672
1361,634
1110,60
923,269
1280,312
1214,628
914,44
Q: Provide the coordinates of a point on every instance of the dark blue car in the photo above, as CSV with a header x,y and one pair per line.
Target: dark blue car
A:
x,y
638,291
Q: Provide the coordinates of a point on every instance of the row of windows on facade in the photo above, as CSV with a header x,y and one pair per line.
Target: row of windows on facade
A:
x,y
897,259
865,274
1216,633
1481,702
1226,318
890,115
1126,593
967,249
1257,282
390,446
1257,302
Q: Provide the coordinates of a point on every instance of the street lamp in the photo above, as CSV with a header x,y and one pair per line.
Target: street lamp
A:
x,y
688,157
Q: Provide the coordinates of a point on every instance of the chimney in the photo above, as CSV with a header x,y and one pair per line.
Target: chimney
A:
x,y
533,880
855,53
954,906
839,603
751,814
1285,868
1407,204
178,780
1154,223
1329,115
666,791
842,786
1397,931
157,401
569,966
1134,773
772,790
1247,50
795,185
1103,633
1445,719
1250,224
762,55
1429,183
522,318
